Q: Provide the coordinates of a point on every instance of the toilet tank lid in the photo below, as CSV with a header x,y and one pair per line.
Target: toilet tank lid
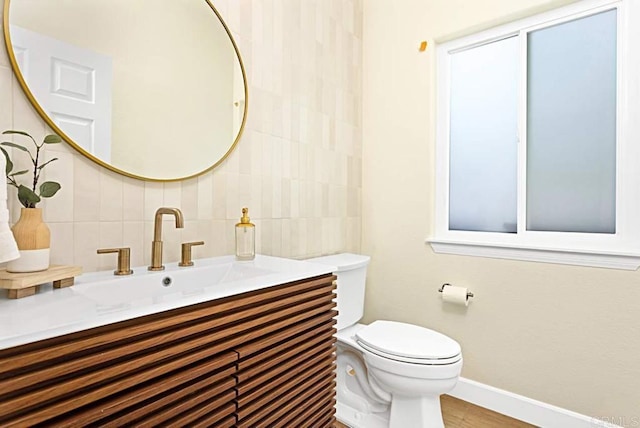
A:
x,y
343,261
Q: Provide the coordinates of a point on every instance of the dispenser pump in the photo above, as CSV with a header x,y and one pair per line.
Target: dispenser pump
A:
x,y
245,237
245,219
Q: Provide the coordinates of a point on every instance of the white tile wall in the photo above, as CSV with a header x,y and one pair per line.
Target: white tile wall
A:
x,y
298,166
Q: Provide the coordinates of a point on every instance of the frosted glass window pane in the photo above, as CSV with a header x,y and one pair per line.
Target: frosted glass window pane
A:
x,y
483,132
571,126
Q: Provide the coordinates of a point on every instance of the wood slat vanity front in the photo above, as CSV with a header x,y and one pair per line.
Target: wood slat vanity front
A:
x,y
264,358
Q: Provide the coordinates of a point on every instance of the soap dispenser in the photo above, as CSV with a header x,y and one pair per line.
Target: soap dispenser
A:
x,y
245,237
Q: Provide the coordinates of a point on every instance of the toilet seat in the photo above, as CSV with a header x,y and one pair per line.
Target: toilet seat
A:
x,y
408,343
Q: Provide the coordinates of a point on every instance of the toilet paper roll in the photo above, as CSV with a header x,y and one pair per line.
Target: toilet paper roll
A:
x,y
456,295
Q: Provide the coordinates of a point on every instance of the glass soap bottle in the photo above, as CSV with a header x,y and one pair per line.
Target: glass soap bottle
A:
x,y
245,237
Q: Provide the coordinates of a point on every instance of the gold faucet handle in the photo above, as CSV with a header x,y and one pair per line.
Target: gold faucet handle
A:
x,y
124,259
186,253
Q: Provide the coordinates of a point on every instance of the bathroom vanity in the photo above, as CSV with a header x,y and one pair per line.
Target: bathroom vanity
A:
x,y
222,344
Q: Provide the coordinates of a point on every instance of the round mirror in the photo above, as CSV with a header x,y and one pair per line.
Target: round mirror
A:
x,y
152,89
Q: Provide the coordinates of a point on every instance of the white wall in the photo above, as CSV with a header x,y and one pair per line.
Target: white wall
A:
x,y
297,166
569,336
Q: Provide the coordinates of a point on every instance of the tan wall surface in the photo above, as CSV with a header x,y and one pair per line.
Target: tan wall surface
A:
x,y
568,336
297,167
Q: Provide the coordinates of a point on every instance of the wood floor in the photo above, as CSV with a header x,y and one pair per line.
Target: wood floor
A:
x,y
460,414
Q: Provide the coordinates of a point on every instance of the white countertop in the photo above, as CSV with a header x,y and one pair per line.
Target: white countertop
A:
x,y
100,298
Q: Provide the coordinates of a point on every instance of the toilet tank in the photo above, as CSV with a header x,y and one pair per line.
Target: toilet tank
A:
x,y
351,270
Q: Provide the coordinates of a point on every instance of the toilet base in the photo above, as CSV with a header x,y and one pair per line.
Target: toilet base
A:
x,y
424,412
357,419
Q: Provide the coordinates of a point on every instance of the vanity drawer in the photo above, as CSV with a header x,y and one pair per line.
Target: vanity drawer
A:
x,y
97,392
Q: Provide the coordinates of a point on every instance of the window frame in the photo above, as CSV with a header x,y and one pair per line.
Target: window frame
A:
x,y
618,250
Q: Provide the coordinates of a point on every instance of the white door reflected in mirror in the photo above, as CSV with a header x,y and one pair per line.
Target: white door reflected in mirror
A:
x,y
73,86
177,84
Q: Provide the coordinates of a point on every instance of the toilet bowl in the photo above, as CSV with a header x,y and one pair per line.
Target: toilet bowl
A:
x,y
390,374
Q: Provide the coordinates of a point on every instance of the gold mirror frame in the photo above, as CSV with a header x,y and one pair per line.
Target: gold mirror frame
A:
x,y
67,139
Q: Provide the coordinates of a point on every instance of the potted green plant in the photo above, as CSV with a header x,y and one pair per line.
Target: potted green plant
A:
x,y
31,233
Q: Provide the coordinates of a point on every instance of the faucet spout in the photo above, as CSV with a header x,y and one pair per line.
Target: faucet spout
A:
x,y
156,245
157,226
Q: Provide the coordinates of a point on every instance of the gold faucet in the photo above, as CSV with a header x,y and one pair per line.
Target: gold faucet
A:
x,y
156,245
124,259
185,260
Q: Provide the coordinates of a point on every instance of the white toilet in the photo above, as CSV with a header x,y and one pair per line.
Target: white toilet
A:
x,y
390,374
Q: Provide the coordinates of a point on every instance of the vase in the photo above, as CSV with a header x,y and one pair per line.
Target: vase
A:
x,y
34,240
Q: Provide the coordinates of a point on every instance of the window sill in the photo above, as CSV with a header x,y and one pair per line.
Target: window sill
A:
x,y
609,260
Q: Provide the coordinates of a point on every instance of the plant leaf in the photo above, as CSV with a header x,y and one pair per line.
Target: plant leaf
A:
x,y
17,132
24,171
49,188
9,165
52,139
17,146
47,162
27,197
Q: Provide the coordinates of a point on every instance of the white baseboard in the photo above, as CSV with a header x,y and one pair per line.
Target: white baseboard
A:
x,y
523,408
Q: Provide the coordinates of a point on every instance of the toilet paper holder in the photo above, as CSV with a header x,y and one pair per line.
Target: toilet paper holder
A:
x,y
441,289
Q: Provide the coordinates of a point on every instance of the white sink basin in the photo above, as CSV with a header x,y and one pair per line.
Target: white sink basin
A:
x,y
145,287
101,298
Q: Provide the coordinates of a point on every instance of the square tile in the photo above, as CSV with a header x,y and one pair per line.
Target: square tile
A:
x,y
132,199
153,199
111,196
219,208
86,241
189,199
205,196
86,190
62,243
172,194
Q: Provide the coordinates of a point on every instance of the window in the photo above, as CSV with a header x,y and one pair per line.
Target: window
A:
x,y
535,158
